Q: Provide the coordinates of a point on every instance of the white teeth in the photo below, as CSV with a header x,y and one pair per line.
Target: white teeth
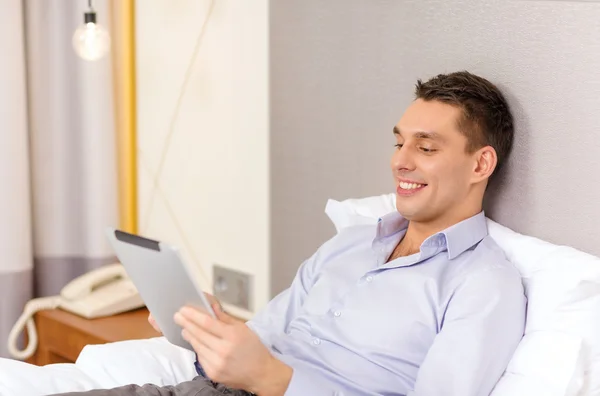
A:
x,y
409,186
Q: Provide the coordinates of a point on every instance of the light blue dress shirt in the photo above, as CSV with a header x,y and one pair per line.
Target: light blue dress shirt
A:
x,y
441,322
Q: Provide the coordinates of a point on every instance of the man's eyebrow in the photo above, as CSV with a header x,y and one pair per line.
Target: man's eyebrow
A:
x,y
422,135
429,135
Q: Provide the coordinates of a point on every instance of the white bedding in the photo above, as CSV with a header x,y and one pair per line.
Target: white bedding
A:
x,y
139,362
559,355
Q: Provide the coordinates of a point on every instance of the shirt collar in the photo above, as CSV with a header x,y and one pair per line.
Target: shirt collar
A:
x,y
466,234
390,224
456,239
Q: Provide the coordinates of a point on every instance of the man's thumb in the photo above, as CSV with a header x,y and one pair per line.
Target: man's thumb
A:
x,y
221,315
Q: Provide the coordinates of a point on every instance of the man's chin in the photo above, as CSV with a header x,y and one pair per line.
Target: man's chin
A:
x,y
408,214
414,214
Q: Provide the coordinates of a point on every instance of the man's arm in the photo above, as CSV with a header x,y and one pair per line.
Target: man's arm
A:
x,y
233,355
482,327
279,312
238,354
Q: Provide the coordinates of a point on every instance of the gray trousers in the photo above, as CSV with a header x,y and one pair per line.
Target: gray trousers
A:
x,y
199,386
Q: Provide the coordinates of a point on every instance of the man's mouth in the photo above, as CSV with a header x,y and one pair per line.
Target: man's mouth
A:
x,y
409,188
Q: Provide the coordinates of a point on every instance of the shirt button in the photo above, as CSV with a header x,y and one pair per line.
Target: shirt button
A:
x,y
369,278
337,314
316,341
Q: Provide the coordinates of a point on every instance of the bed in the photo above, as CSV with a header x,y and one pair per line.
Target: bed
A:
x,y
559,354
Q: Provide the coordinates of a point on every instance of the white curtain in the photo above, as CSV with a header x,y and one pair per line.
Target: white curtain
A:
x,y
62,189
15,225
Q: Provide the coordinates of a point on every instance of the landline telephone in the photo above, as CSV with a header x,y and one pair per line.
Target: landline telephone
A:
x,y
101,292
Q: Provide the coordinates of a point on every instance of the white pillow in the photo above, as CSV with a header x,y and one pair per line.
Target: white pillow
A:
x,y
105,366
563,316
148,361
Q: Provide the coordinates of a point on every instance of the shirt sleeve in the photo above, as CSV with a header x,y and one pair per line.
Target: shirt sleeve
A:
x,y
482,326
279,312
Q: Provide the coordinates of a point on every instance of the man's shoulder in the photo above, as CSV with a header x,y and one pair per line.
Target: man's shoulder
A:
x,y
487,263
491,256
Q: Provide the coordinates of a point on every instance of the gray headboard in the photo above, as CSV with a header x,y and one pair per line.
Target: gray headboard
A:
x,y
342,72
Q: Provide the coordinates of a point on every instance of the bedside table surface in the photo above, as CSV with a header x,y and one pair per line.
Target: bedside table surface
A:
x,y
126,326
62,335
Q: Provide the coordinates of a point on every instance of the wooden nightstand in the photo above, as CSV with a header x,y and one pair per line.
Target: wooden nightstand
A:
x,y
62,335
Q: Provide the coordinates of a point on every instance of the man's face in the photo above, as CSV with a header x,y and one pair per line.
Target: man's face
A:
x,y
431,167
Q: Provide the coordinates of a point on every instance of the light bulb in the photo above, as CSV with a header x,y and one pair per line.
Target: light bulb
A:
x,y
91,40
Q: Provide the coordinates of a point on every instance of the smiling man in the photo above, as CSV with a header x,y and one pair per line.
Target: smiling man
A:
x,y
422,304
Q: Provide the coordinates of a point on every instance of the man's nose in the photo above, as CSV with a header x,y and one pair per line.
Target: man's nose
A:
x,y
403,159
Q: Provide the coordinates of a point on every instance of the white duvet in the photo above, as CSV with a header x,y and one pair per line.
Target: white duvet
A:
x,y
154,361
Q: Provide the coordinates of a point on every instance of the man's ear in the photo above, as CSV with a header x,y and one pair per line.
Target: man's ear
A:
x,y
486,160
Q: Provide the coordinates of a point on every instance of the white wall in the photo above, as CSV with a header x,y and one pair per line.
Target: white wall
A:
x,y
214,202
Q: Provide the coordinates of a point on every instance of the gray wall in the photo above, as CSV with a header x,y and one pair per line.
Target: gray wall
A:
x,y
342,72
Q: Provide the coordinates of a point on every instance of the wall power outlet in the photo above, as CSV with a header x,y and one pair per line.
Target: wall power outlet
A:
x,y
233,287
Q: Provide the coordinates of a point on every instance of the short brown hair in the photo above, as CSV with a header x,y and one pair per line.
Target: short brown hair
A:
x,y
486,116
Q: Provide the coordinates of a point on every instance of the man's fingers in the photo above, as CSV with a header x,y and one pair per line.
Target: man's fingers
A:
x,y
217,307
211,299
203,321
153,323
205,354
208,339
224,317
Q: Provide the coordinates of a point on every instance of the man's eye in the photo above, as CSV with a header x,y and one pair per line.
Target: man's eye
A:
x,y
398,146
426,150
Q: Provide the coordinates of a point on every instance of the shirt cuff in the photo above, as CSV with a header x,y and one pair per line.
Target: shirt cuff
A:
x,y
199,368
303,384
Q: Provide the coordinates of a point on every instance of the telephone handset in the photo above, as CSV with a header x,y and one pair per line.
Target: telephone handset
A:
x,y
102,292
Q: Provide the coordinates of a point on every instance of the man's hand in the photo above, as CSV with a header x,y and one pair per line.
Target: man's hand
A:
x,y
211,300
232,354
153,323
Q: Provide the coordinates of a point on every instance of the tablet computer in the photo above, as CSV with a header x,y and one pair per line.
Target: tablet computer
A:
x,y
162,278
